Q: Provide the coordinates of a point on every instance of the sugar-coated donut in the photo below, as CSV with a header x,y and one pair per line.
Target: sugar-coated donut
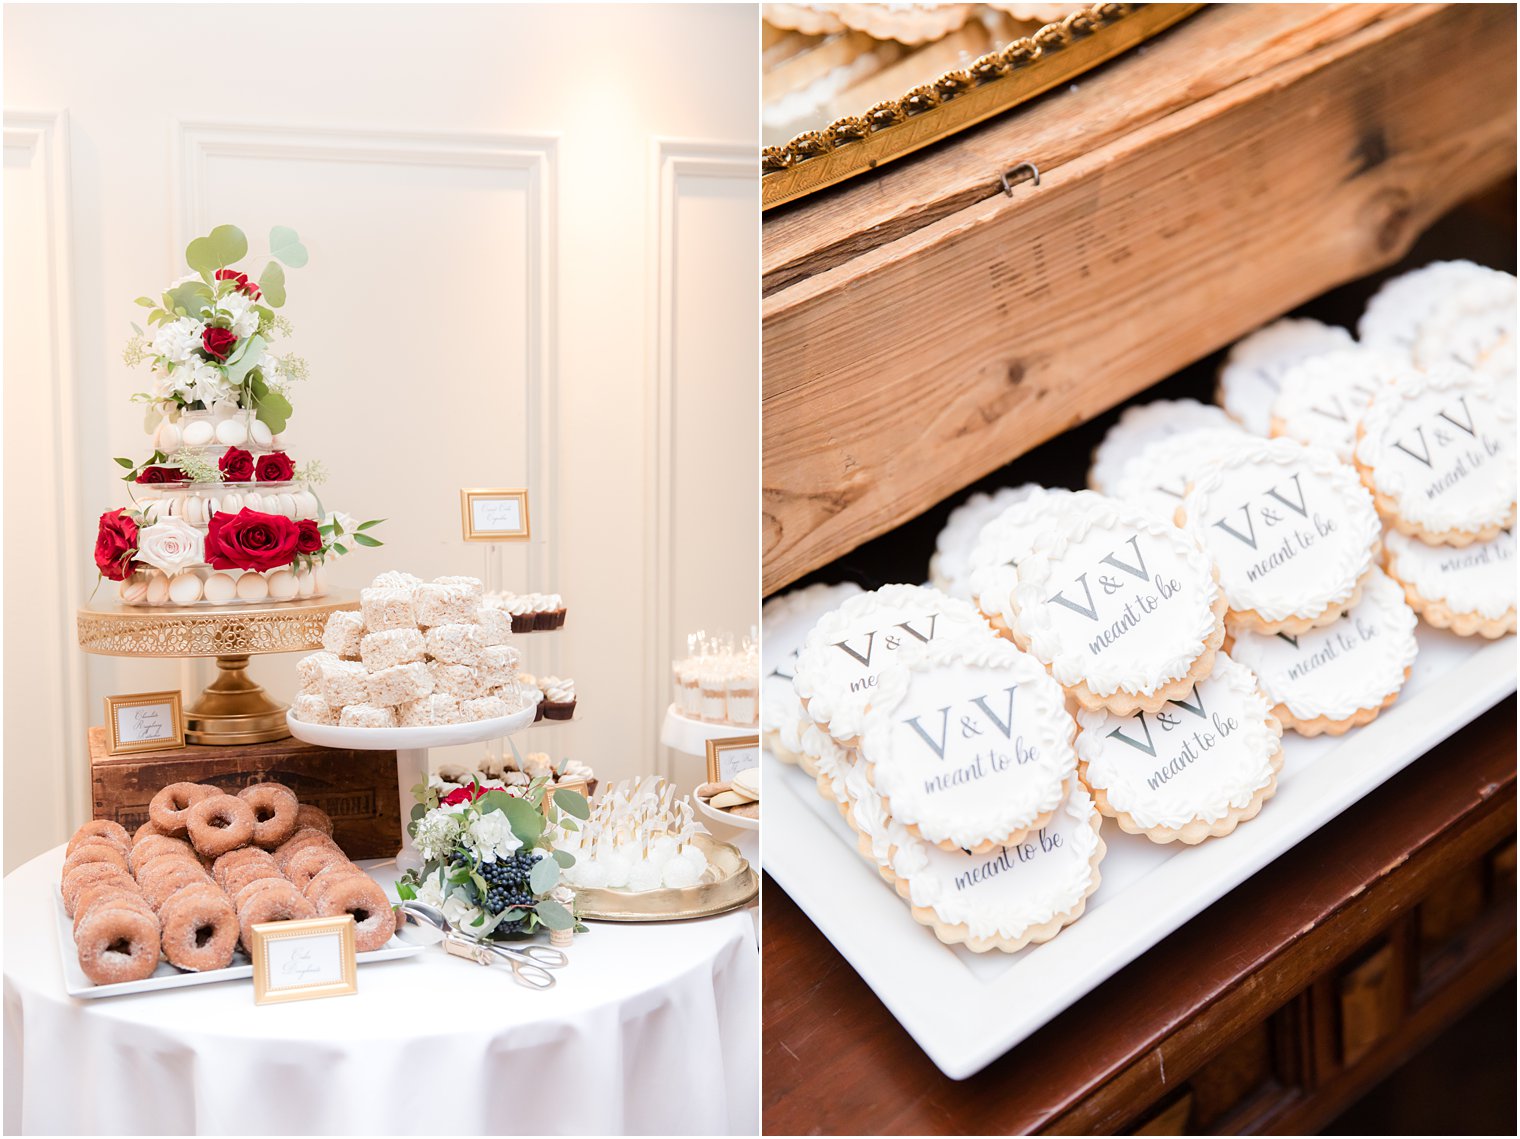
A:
x,y
274,812
117,944
95,850
219,823
224,864
241,895
108,895
300,841
306,864
147,830
322,881
162,881
169,810
110,831
275,903
363,897
151,847
241,876
309,816
90,874
200,929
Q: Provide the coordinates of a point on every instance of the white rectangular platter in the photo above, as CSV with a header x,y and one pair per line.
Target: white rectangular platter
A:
x,y
966,1009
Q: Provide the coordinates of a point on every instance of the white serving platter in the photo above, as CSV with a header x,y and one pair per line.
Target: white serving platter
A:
x,y
166,976
966,1009
410,739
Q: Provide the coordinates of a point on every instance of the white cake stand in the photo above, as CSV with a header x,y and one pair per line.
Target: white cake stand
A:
x,y
690,736
411,746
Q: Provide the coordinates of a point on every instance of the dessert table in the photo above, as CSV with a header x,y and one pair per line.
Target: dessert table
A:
x,y
653,1028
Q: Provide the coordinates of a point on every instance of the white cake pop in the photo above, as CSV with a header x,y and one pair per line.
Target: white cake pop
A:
x,y
679,873
693,854
618,865
593,876
645,875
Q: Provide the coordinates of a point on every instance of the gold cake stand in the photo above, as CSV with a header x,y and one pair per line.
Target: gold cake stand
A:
x,y
233,709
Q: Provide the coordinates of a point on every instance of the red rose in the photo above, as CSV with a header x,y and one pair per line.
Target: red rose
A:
x,y
462,795
236,465
308,537
244,285
250,540
217,343
275,467
115,543
161,474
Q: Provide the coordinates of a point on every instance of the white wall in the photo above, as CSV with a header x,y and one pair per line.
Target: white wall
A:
x,y
534,261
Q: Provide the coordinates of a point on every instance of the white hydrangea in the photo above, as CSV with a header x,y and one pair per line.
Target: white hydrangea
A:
x,y
205,382
460,914
437,832
490,837
178,340
239,307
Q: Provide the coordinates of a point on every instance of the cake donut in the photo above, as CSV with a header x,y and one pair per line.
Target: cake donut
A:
x,y
306,864
274,812
81,878
101,829
117,944
95,850
246,873
224,864
156,845
362,897
164,878
109,895
315,817
200,929
323,880
169,810
274,903
219,823
147,830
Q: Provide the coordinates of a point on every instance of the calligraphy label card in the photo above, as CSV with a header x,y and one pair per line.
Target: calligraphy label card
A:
x,y
303,960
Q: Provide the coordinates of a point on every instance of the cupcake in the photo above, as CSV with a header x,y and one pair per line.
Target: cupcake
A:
x,y
559,698
554,611
528,685
520,608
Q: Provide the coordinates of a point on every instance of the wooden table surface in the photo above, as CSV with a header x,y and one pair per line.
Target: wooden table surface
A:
x,y
837,1062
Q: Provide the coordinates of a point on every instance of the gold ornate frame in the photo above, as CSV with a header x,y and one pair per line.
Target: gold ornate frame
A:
x,y
266,992
1054,55
115,745
716,748
467,497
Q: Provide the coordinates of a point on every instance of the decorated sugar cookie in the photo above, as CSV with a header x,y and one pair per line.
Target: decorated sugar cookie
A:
x,y
950,566
851,647
1001,544
1437,450
1146,424
1337,676
1468,589
1292,530
1196,769
784,622
1159,476
1003,899
1473,327
1252,373
1122,606
828,762
1403,306
1322,398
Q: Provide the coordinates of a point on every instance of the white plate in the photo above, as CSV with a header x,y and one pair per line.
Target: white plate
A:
x,y
166,976
966,1009
724,817
409,739
690,736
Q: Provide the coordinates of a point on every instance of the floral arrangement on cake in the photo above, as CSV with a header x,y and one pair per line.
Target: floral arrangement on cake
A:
x,y
491,863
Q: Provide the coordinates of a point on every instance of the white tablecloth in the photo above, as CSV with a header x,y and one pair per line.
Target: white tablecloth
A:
x,y
652,1029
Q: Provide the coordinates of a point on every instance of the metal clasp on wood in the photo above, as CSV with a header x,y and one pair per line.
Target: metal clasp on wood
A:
x,y
1023,172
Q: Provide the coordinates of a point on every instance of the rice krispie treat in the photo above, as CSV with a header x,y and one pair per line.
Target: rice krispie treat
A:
x,y
498,665
400,684
390,647
387,608
309,670
341,634
367,716
495,625
458,680
344,682
311,709
437,604
437,708
483,708
395,579
454,643
473,585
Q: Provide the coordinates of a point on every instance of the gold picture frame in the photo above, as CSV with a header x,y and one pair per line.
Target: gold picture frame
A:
x,y
147,732
716,750
581,785
504,499
285,949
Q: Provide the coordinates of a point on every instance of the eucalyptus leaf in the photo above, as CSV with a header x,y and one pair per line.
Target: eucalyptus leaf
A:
x,y
274,411
272,285
252,351
418,810
200,255
514,914
192,296
569,824
527,821
230,245
544,876
286,246
554,915
492,801
564,858
572,803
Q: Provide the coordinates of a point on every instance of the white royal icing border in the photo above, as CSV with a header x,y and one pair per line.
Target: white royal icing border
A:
x,y
1402,305
1322,398
1003,541
1335,574
1141,427
1205,780
1182,636
1158,478
832,761
950,565
996,804
1334,671
1473,327
1487,499
1478,579
784,625
823,682
1252,372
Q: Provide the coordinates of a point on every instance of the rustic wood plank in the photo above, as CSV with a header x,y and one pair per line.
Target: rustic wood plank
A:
x,y
919,365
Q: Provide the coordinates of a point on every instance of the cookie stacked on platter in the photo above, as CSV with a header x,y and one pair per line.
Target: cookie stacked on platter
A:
x,y
415,654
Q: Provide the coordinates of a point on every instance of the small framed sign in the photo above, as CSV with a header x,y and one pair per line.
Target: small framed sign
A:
x,y
498,515
726,758
305,959
144,721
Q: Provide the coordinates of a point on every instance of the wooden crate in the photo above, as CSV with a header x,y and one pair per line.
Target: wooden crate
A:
x,y
921,329
357,788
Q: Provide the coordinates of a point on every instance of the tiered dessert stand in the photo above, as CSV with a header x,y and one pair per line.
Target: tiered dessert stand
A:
x,y
683,734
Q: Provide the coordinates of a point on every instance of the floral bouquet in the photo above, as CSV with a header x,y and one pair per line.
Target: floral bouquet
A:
x,y
490,860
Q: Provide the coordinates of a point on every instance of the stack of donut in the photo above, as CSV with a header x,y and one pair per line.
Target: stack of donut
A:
x,y
205,869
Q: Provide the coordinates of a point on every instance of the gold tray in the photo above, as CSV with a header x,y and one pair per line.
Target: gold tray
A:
x,y
737,885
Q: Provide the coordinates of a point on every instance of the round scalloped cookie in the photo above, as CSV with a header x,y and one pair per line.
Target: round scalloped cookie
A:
x,y
784,623
1123,607
1194,770
1469,590
1321,399
1291,529
1158,477
970,746
1337,676
1473,327
1437,451
1252,372
828,762
1001,544
1404,304
1143,425
851,648
950,565
809,19
906,23
1004,899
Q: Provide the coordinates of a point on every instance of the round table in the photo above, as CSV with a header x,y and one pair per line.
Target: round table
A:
x,y
652,1029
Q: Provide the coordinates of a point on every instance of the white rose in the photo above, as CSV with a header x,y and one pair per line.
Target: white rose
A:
x,y
491,837
171,545
430,893
459,913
